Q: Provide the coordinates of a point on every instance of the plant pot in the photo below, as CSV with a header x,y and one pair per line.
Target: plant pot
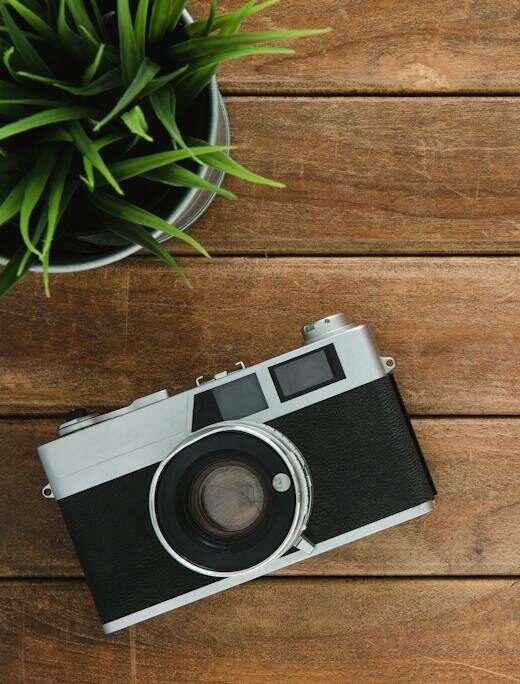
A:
x,y
181,208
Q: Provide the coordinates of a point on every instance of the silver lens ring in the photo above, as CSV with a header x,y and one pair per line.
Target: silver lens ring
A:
x,y
300,480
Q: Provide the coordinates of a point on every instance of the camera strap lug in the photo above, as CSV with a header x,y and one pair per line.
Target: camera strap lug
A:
x,y
388,363
47,492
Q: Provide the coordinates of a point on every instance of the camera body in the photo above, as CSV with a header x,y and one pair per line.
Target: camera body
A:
x,y
175,498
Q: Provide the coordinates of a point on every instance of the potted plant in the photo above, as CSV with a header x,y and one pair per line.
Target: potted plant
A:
x,y
113,135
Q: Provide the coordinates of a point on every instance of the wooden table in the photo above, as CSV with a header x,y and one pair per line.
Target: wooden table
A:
x,y
398,137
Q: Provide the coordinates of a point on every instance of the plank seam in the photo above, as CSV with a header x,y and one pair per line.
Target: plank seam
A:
x,y
229,92
20,417
333,255
79,579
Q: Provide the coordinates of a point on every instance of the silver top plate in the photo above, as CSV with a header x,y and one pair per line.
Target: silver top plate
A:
x,y
134,439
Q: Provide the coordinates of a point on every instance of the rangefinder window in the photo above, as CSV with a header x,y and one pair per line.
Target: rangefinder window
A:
x,y
307,372
230,401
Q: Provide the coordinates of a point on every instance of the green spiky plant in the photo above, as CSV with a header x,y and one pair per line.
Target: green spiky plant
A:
x,y
96,96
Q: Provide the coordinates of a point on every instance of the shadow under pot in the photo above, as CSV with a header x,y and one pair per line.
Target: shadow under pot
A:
x,y
230,499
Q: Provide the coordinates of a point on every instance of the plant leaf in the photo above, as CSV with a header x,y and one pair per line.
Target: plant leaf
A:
x,y
129,54
144,75
189,86
56,190
109,139
193,82
203,46
7,56
44,118
233,23
135,166
141,236
89,150
38,24
67,35
223,162
121,209
29,255
211,17
108,81
226,20
10,207
37,7
10,275
13,93
163,104
92,45
141,21
81,17
91,70
136,122
30,101
88,178
165,15
36,183
100,25
70,188
22,46
178,176
162,81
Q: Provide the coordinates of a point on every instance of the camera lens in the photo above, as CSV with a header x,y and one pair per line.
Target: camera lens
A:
x,y
228,499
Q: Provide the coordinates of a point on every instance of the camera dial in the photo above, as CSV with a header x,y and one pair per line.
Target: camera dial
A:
x,y
325,327
231,498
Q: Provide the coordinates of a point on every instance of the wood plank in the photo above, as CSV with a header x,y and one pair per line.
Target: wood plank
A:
x,y
372,175
475,464
385,47
109,336
273,630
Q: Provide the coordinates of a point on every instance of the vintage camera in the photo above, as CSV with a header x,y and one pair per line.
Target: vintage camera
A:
x,y
175,498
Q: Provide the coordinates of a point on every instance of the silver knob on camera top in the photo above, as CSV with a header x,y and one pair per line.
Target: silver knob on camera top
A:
x,y
331,325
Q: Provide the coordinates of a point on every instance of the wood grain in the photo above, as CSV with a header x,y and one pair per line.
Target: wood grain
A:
x,y
371,175
474,531
107,337
273,631
385,46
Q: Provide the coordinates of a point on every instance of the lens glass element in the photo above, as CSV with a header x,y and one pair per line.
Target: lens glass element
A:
x,y
228,498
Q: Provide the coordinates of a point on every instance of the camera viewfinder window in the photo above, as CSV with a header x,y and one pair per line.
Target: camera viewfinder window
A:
x,y
230,401
240,398
307,372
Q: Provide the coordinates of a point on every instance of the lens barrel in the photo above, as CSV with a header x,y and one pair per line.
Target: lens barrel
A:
x,y
230,499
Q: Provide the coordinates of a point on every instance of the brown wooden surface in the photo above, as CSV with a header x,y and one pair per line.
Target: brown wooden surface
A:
x,y
106,337
409,184
474,531
372,175
304,630
383,46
